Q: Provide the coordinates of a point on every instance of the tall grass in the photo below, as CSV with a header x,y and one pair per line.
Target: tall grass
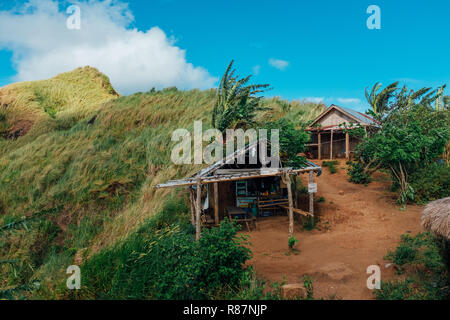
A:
x,y
97,156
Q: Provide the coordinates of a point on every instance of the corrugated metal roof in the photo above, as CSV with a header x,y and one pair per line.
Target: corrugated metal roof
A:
x,y
360,116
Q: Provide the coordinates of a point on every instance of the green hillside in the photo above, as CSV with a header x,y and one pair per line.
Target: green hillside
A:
x,y
78,164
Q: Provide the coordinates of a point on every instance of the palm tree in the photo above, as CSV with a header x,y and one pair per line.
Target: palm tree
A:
x,y
379,101
236,103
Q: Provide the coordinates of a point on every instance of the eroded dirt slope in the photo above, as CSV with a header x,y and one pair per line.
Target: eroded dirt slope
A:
x,y
358,225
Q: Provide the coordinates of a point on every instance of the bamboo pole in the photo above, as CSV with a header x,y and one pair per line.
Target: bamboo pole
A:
x,y
198,205
216,203
347,146
287,181
331,146
192,199
208,180
295,192
311,196
319,137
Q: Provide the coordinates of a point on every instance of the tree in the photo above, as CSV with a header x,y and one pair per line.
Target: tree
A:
x,y
415,131
412,136
379,101
236,103
292,142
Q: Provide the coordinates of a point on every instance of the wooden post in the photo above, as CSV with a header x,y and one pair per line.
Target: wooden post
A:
x,y
216,203
347,146
311,195
319,141
192,198
295,192
198,208
287,181
331,146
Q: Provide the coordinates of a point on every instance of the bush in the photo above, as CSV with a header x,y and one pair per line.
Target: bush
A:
x,y
331,166
431,183
169,264
309,224
292,241
424,257
357,175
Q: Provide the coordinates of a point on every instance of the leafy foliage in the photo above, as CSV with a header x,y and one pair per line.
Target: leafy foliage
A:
x,y
292,241
413,135
379,101
431,182
168,264
236,104
423,257
357,174
331,165
292,142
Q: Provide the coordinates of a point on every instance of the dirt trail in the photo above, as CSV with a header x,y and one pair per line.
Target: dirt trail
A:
x,y
357,228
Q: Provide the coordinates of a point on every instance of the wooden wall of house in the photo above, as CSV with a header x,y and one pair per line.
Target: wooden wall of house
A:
x,y
338,145
335,118
227,197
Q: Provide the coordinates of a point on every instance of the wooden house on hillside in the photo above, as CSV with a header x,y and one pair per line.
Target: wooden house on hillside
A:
x,y
329,139
244,192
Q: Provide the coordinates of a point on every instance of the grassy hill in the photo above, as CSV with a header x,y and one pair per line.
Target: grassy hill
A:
x,y
78,164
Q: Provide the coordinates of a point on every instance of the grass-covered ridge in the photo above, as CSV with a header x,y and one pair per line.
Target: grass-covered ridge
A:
x,y
90,162
36,107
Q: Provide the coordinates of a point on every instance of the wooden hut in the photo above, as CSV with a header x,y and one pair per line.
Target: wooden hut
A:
x,y
244,192
329,140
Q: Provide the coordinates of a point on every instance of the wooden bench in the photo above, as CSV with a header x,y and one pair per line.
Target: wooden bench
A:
x,y
234,212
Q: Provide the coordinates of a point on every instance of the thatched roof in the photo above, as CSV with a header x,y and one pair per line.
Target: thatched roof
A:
x,y
436,217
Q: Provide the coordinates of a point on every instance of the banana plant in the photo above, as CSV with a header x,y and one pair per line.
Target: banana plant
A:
x,y
237,101
379,101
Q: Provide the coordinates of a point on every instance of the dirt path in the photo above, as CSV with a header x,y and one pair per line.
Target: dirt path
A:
x,y
357,228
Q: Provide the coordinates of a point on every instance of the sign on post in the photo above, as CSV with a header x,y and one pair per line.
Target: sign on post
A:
x,y
312,188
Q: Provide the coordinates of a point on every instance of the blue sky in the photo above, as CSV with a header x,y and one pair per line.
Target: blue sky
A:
x,y
326,49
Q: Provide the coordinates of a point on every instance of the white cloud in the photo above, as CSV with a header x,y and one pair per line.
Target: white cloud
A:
x,y
314,99
349,100
279,64
256,70
134,60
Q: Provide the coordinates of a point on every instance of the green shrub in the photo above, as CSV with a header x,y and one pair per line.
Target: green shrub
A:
x,y
331,166
169,264
292,241
309,224
308,283
357,175
424,258
431,183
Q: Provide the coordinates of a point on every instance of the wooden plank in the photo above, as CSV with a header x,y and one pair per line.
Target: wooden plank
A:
x,y
291,214
273,200
347,145
320,146
198,210
216,203
206,180
295,192
311,196
192,200
298,211
331,146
